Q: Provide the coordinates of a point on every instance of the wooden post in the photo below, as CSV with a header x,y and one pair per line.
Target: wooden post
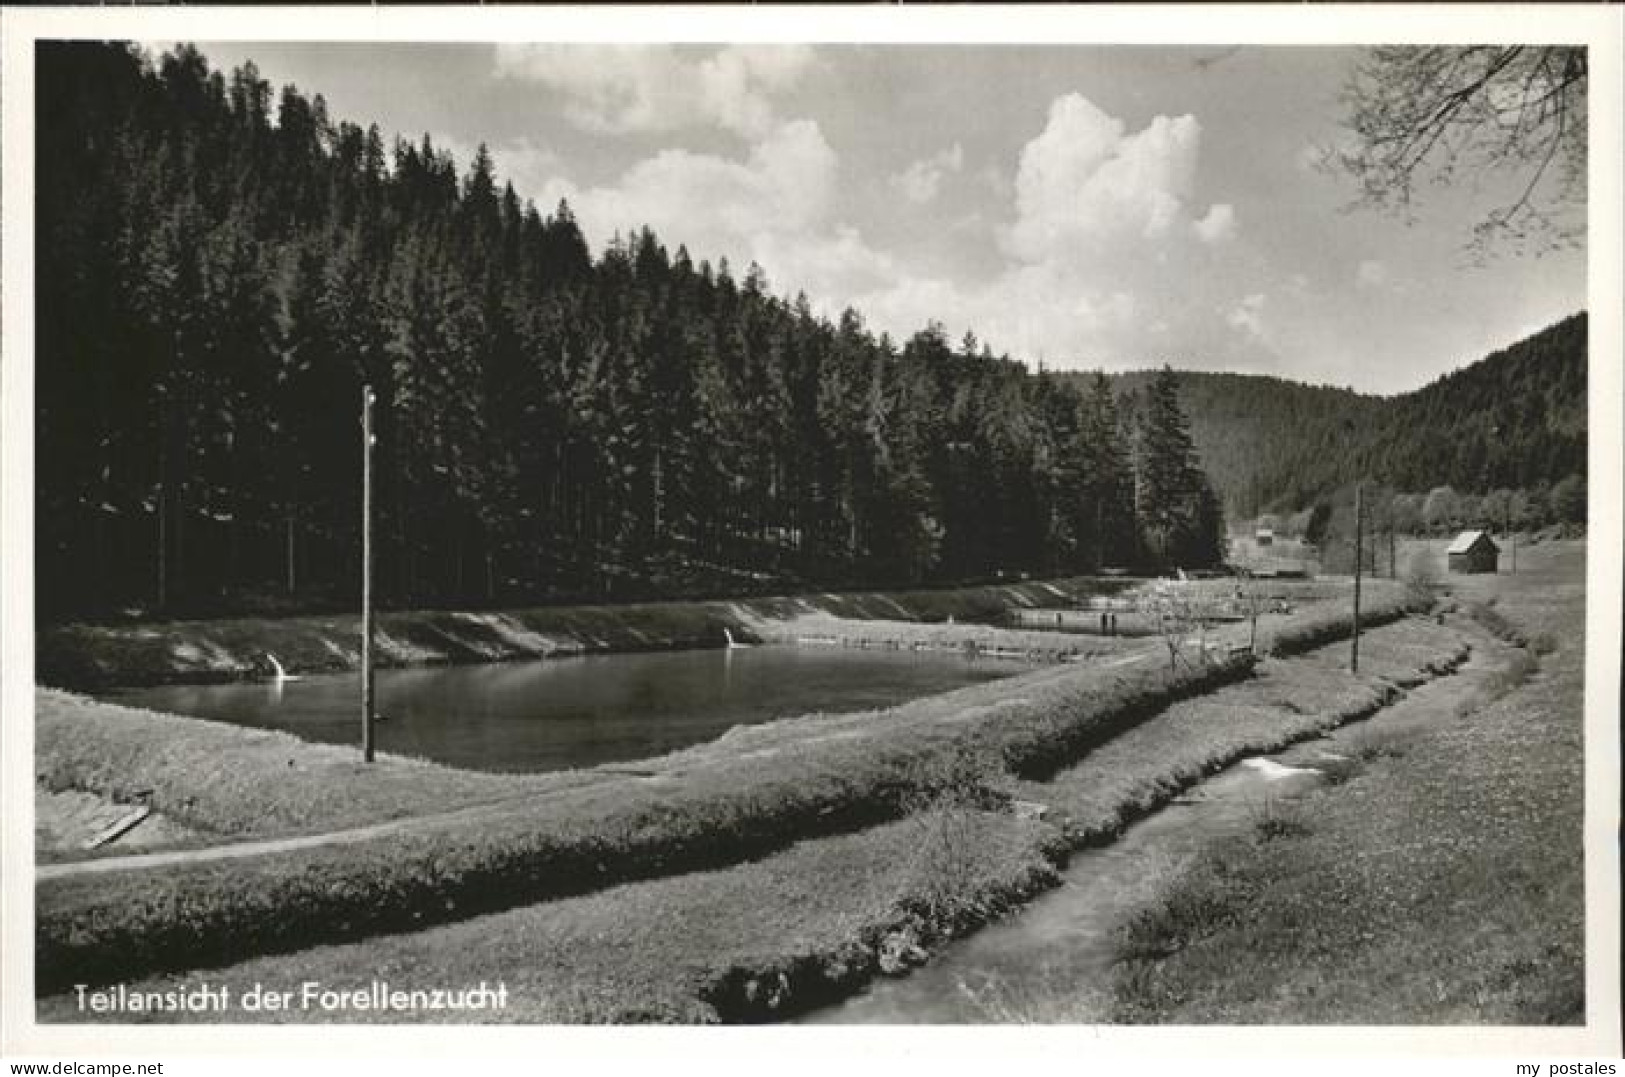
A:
x,y
292,579
162,500
1359,558
366,574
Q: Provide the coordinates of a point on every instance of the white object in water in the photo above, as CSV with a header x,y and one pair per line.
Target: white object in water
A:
x,y
1271,771
281,674
733,645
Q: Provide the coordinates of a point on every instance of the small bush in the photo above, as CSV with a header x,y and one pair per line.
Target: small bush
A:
x,y
1372,747
1422,579
949,793
1277,817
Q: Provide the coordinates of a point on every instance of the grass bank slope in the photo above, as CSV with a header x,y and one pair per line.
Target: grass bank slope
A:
x,y
1441,884
737,944
1289,700
99,656
231,781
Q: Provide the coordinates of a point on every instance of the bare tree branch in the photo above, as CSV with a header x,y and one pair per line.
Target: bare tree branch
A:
x,y
1434,114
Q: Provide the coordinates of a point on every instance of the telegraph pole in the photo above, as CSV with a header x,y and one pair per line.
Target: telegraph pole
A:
x,y
367,398
1359,558
1512,540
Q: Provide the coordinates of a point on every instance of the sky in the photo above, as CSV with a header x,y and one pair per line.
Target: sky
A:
x,y
1083,207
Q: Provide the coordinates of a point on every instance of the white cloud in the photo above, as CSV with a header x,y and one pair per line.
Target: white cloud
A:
x,y
635,88
1111,259
774,206
1084,182
1219,224
920,181
1101,238
1371,274
529,167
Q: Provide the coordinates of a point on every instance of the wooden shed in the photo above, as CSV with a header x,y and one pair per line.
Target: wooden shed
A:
x,y
1473,551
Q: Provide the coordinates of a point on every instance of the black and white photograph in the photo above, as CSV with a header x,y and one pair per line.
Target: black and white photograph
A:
x,y
556,522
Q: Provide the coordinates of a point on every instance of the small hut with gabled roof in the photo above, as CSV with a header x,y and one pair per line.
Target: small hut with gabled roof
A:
x,y
1473,551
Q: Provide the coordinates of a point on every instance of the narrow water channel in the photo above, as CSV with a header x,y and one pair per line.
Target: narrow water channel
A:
x,y
1052,961
1041,964
557,713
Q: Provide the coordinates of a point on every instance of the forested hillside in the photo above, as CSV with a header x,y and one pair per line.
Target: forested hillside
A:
x,y
222,266
1514,421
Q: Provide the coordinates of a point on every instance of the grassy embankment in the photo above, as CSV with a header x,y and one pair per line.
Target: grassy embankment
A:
x,y
742,943
1289,700
801,924
1440,882
754,790
229,781
97,656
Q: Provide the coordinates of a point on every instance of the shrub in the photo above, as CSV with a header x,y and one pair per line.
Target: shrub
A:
x,y
1276,817
949,793
1369,746
1422,579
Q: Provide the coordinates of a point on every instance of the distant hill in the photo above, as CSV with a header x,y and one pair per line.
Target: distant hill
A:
x,y
1515,419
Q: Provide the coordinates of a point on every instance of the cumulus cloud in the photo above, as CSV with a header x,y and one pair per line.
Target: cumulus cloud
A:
x,y
641,88
774,206
1109,259
920,181
528,166
1085,181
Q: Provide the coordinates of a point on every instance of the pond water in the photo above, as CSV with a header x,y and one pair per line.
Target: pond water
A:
x,y
556,713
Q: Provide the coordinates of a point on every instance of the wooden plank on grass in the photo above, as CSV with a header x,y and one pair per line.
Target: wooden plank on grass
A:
x,y
118,829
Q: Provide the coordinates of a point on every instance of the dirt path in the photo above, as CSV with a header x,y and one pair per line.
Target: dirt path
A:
x,y
241,849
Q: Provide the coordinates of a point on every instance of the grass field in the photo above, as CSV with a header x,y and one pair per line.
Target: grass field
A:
x,y
1442,883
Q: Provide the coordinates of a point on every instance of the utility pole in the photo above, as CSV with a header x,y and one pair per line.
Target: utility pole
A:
x,y
366,573
1359,558
1512,540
